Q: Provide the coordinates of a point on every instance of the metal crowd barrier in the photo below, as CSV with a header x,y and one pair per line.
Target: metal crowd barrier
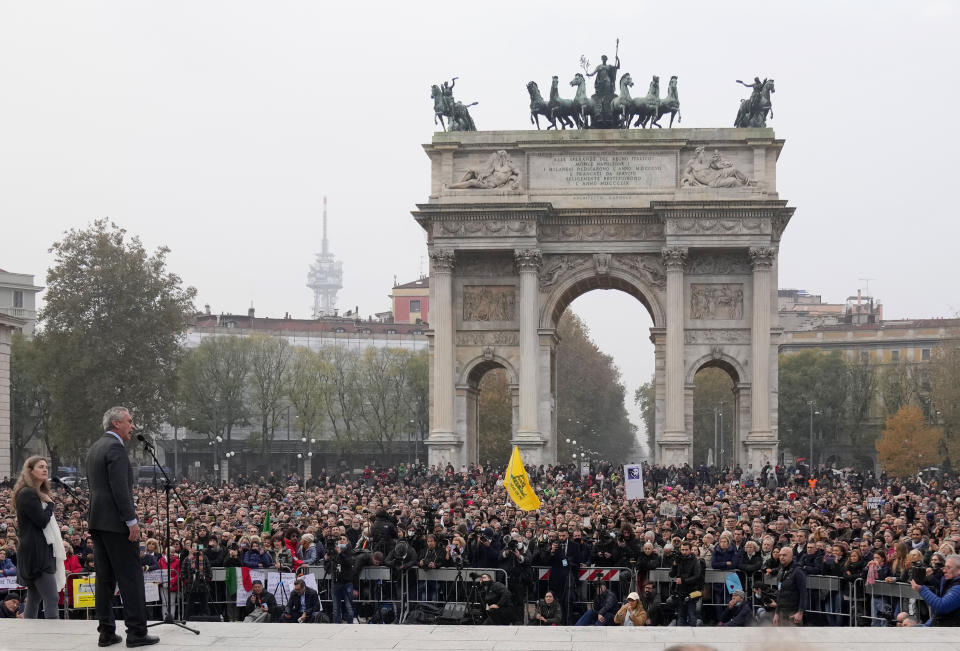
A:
x,y
826,598
374,588
619,580
444,585
877,597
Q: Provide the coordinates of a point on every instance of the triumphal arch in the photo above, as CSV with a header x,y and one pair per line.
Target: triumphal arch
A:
x,y
520,223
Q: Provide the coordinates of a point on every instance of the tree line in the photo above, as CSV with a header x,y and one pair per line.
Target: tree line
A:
x,y
349,396
112,332
843,400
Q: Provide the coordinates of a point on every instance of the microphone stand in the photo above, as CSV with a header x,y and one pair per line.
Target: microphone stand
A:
x,y
167,489
59,482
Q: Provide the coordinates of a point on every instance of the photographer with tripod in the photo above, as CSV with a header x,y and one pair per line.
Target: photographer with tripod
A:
x,y
197,576
338,563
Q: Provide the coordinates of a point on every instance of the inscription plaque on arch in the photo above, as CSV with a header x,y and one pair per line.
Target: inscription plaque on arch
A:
x,y
609,170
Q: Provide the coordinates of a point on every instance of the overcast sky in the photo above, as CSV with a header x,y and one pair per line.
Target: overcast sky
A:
x,y
216,128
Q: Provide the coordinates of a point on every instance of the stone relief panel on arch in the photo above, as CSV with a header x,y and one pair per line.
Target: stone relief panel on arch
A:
x,y
738,336
489,302
716,301
489,263
488,338
717,264
556,266
648,266
484,228
634,231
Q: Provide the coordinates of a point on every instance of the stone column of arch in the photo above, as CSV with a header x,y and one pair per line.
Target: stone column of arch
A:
x,y
528,263
761,259
675,430
441,317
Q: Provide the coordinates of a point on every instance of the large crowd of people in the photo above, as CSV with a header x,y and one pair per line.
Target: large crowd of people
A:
x,y
774,522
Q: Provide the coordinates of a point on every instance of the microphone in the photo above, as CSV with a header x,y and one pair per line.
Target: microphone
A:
x,y
143,439
57,480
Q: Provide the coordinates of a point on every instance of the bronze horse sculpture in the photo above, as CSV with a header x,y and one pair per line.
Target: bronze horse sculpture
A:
x,y
669,105
539,107
563,109
645,108
586,107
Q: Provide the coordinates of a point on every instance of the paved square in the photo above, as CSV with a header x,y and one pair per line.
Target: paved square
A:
x,y
41,635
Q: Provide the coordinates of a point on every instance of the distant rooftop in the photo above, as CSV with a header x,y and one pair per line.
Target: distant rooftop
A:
x,y
415,284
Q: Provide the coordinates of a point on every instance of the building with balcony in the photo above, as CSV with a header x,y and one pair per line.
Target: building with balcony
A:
x,y
18,298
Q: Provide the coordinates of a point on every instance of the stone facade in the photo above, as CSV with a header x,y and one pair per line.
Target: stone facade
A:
x,y
8,325
604,209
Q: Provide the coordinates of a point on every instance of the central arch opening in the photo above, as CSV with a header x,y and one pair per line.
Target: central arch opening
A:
x,y
603,360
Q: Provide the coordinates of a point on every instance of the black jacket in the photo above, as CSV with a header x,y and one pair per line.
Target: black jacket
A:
x,y
606,604
197,574
550,612
792,595
34,555
690,572
110,477
339,566
497,593
264,599
312,602
215,557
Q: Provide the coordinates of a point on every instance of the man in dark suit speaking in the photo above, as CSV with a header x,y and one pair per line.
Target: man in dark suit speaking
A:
x,y
115,532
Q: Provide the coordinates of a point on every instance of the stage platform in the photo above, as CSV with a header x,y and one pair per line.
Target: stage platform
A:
x,y
41,635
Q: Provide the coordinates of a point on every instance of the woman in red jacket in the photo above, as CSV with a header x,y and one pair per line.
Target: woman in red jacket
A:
x,y
71,565
174,580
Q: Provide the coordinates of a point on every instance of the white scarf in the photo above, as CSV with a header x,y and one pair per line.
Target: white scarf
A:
x,y
52,533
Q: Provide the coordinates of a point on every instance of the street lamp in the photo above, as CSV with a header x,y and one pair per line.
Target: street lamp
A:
x,y
307,457
811,404
229,455
415,435
216,457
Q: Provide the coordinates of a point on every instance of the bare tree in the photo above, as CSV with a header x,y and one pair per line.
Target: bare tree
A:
x,y
269,358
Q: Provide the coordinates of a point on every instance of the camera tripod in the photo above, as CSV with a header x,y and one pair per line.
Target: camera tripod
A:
x,y
472,597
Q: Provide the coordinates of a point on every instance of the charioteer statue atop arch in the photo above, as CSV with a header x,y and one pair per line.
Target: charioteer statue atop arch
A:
x,y
520,223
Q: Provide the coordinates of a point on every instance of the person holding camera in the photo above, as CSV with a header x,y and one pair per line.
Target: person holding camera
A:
x,y
515,561
687,573
498,603
944,599
480,549
338,564
256,559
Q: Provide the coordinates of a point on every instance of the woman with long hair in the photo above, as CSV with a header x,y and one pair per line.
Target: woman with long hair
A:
x,y
41,555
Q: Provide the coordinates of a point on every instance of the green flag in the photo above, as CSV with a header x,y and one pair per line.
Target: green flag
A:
x,y
266,522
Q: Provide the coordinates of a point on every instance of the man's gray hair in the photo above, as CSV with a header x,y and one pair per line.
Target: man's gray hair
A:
x,y
955,558
113,414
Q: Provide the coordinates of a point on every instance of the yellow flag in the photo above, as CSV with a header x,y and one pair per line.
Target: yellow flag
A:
x,y
518,483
